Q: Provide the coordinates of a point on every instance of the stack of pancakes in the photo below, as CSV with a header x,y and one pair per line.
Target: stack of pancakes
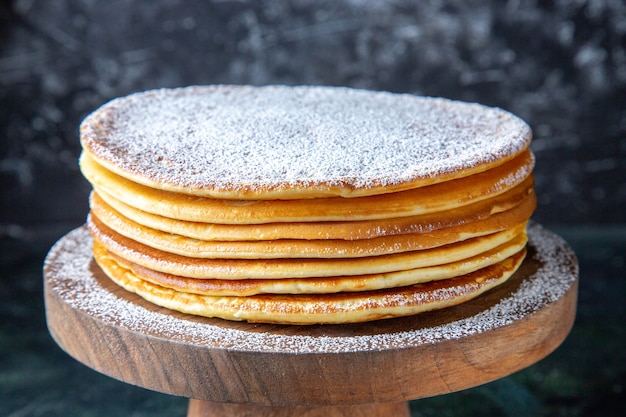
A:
x,y
306,205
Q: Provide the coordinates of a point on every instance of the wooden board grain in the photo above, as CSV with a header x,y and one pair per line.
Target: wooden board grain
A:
x,y
241,364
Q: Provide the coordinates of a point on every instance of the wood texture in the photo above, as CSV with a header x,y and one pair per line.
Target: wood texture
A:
x,y
283,376
199,408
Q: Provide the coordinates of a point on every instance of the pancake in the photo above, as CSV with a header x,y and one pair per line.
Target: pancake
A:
x,y
247,287
293,267
435,198
279,142
102,214
519,196
303,205
338,308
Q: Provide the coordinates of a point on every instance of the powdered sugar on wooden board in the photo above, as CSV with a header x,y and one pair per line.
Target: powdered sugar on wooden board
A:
x,y
229,138
69,276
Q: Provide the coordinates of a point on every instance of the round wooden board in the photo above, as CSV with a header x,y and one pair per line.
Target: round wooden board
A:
x,y
244,364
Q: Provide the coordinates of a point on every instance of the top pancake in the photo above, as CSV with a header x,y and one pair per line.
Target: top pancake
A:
x,y
278,142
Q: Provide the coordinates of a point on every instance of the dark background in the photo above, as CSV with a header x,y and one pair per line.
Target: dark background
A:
x,y
560,65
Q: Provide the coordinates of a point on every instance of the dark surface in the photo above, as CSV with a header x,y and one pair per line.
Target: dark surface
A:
x,y
560,65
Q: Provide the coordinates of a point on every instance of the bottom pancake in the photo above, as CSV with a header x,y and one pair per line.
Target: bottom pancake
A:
x,y
344,307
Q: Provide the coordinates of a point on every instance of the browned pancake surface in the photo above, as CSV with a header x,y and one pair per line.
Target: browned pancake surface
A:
x,y
326,285
325,308
229,268
101,214
435,198
519,200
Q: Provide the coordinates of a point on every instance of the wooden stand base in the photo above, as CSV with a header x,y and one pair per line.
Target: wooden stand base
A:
x,y
373,369
198,408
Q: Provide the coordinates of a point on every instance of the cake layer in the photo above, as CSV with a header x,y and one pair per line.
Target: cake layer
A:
x,y
276,142
325,285
521,196
337,308
103,214
294,267
435,198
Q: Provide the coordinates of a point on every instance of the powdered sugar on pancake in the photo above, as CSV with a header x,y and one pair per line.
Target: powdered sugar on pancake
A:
x,y
70,277
241,138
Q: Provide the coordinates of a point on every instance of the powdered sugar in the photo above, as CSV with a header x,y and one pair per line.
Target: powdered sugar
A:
x,y
229,138
69,275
